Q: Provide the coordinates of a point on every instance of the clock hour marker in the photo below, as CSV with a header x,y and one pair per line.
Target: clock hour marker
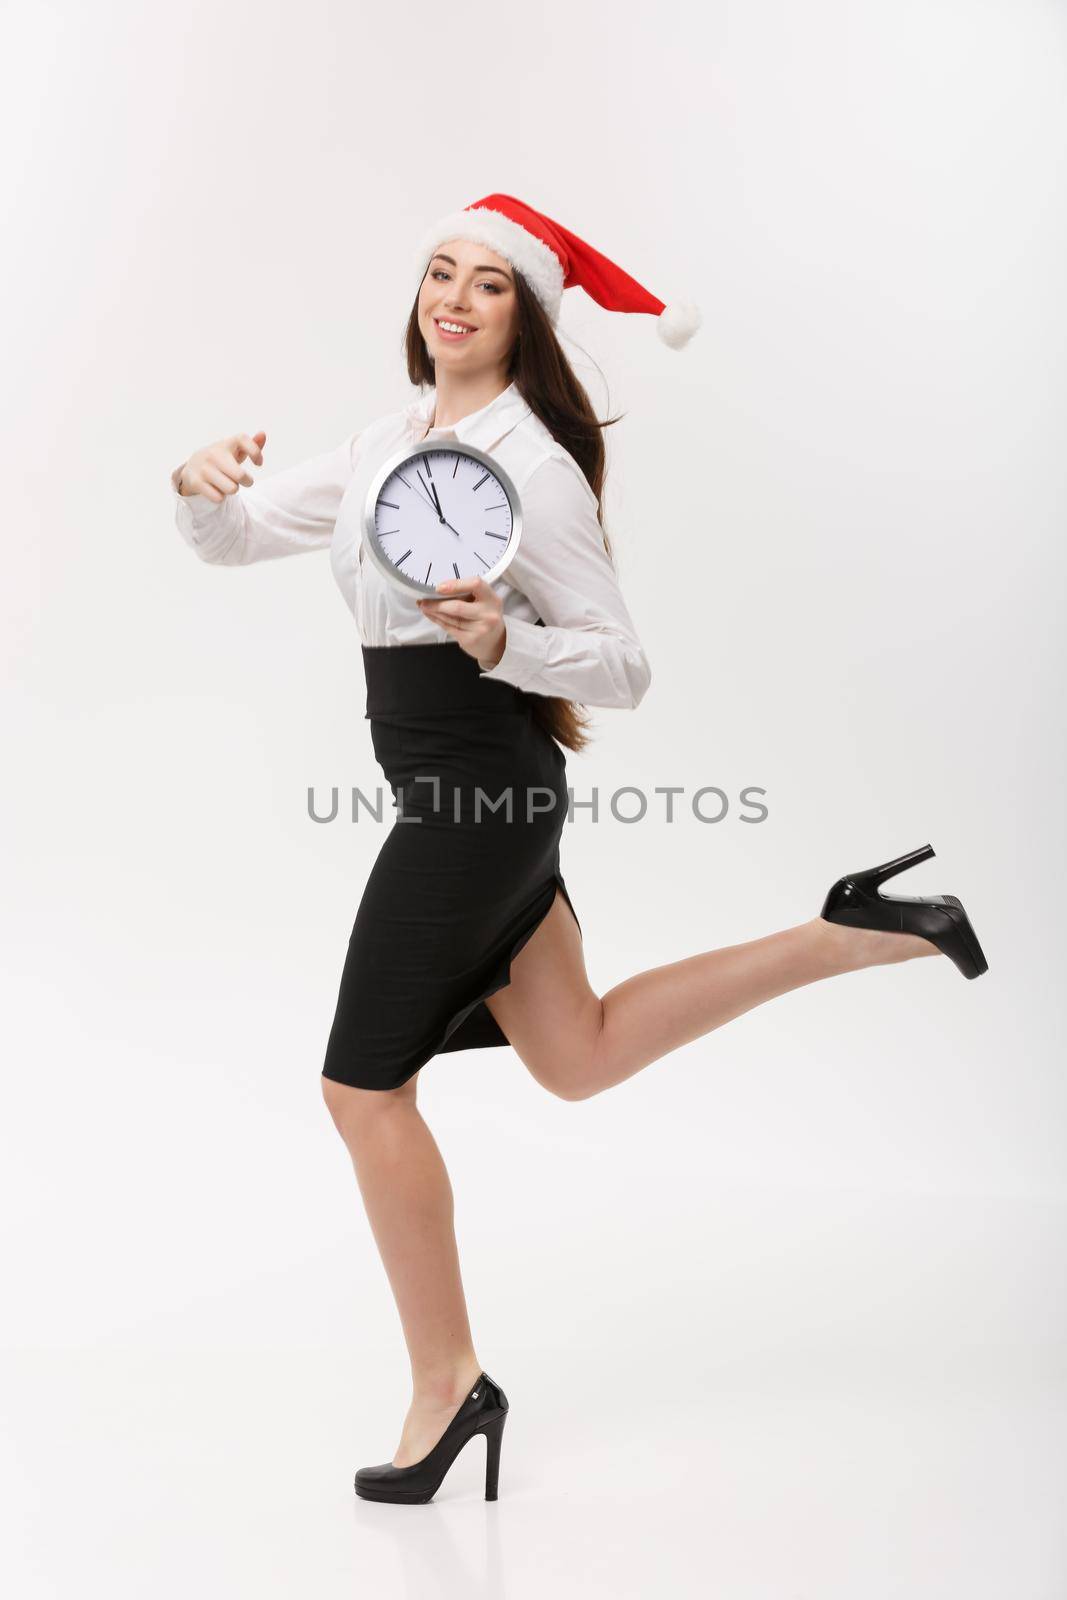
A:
x,y
501,507
387,532
429,473
455,569
392,507
429,569
490,535
486,564
403,558
481,480
455,469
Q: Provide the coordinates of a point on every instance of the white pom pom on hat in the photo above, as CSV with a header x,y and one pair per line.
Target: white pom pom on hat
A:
x,y
552,259
678,322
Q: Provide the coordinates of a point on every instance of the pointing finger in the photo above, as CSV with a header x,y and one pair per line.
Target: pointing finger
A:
x,y
247,444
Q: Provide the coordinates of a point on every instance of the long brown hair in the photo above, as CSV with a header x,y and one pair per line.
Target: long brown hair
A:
x,y
550,388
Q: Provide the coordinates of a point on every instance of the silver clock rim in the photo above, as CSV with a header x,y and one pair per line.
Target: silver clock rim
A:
x,y
426,447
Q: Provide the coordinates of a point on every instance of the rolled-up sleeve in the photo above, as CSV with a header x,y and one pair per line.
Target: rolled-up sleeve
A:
x,y
290,512
585,647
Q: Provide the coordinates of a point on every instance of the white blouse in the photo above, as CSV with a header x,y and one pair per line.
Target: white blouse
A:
x,y
561,575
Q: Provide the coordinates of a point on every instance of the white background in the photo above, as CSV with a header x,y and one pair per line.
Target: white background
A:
x,y
782,1316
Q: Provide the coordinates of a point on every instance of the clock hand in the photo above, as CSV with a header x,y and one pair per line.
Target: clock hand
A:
x,y
444,519
407,485
432,498
430,503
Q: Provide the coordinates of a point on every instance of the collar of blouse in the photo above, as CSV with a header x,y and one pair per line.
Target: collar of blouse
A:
x,y
482,429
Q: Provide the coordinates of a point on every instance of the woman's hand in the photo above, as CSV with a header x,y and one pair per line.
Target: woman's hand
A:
x,y
215,471
475,621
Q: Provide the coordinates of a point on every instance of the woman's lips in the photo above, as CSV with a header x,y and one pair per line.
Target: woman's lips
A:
x,y
455,337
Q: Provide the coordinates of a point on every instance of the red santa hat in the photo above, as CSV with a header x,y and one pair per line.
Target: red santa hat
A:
x,y
552,259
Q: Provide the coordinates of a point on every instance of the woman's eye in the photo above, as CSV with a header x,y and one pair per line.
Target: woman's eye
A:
x,y
439,272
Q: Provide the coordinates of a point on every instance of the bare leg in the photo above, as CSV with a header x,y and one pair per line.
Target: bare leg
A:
x,y
576,1044
657,1011
408,1199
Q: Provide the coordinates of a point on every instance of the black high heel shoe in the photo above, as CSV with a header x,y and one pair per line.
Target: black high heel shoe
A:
x,y
485,1411
855,901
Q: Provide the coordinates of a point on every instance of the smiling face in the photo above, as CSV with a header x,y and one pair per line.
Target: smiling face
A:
x,y
468,287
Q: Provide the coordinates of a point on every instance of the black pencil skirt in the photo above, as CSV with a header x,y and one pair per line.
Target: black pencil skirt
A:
x,y
467,872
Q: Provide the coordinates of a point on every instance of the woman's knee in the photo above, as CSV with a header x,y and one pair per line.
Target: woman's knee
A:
x,y
568,1077
354,1110
567,1088
575,1071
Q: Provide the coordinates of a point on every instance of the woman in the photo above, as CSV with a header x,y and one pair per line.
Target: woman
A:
x,y
465,935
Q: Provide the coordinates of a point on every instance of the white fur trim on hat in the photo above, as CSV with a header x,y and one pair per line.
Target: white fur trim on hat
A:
x,y
529,255
677,323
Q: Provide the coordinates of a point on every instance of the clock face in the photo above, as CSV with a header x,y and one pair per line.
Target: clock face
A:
x,y
440,510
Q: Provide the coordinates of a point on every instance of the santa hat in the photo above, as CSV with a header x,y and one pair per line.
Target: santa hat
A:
x,y
552,259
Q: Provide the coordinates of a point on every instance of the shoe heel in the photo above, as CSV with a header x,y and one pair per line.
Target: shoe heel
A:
x,y
873,876
494,1432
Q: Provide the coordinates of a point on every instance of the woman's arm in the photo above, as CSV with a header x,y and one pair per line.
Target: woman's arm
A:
x,y
283,515
588,649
